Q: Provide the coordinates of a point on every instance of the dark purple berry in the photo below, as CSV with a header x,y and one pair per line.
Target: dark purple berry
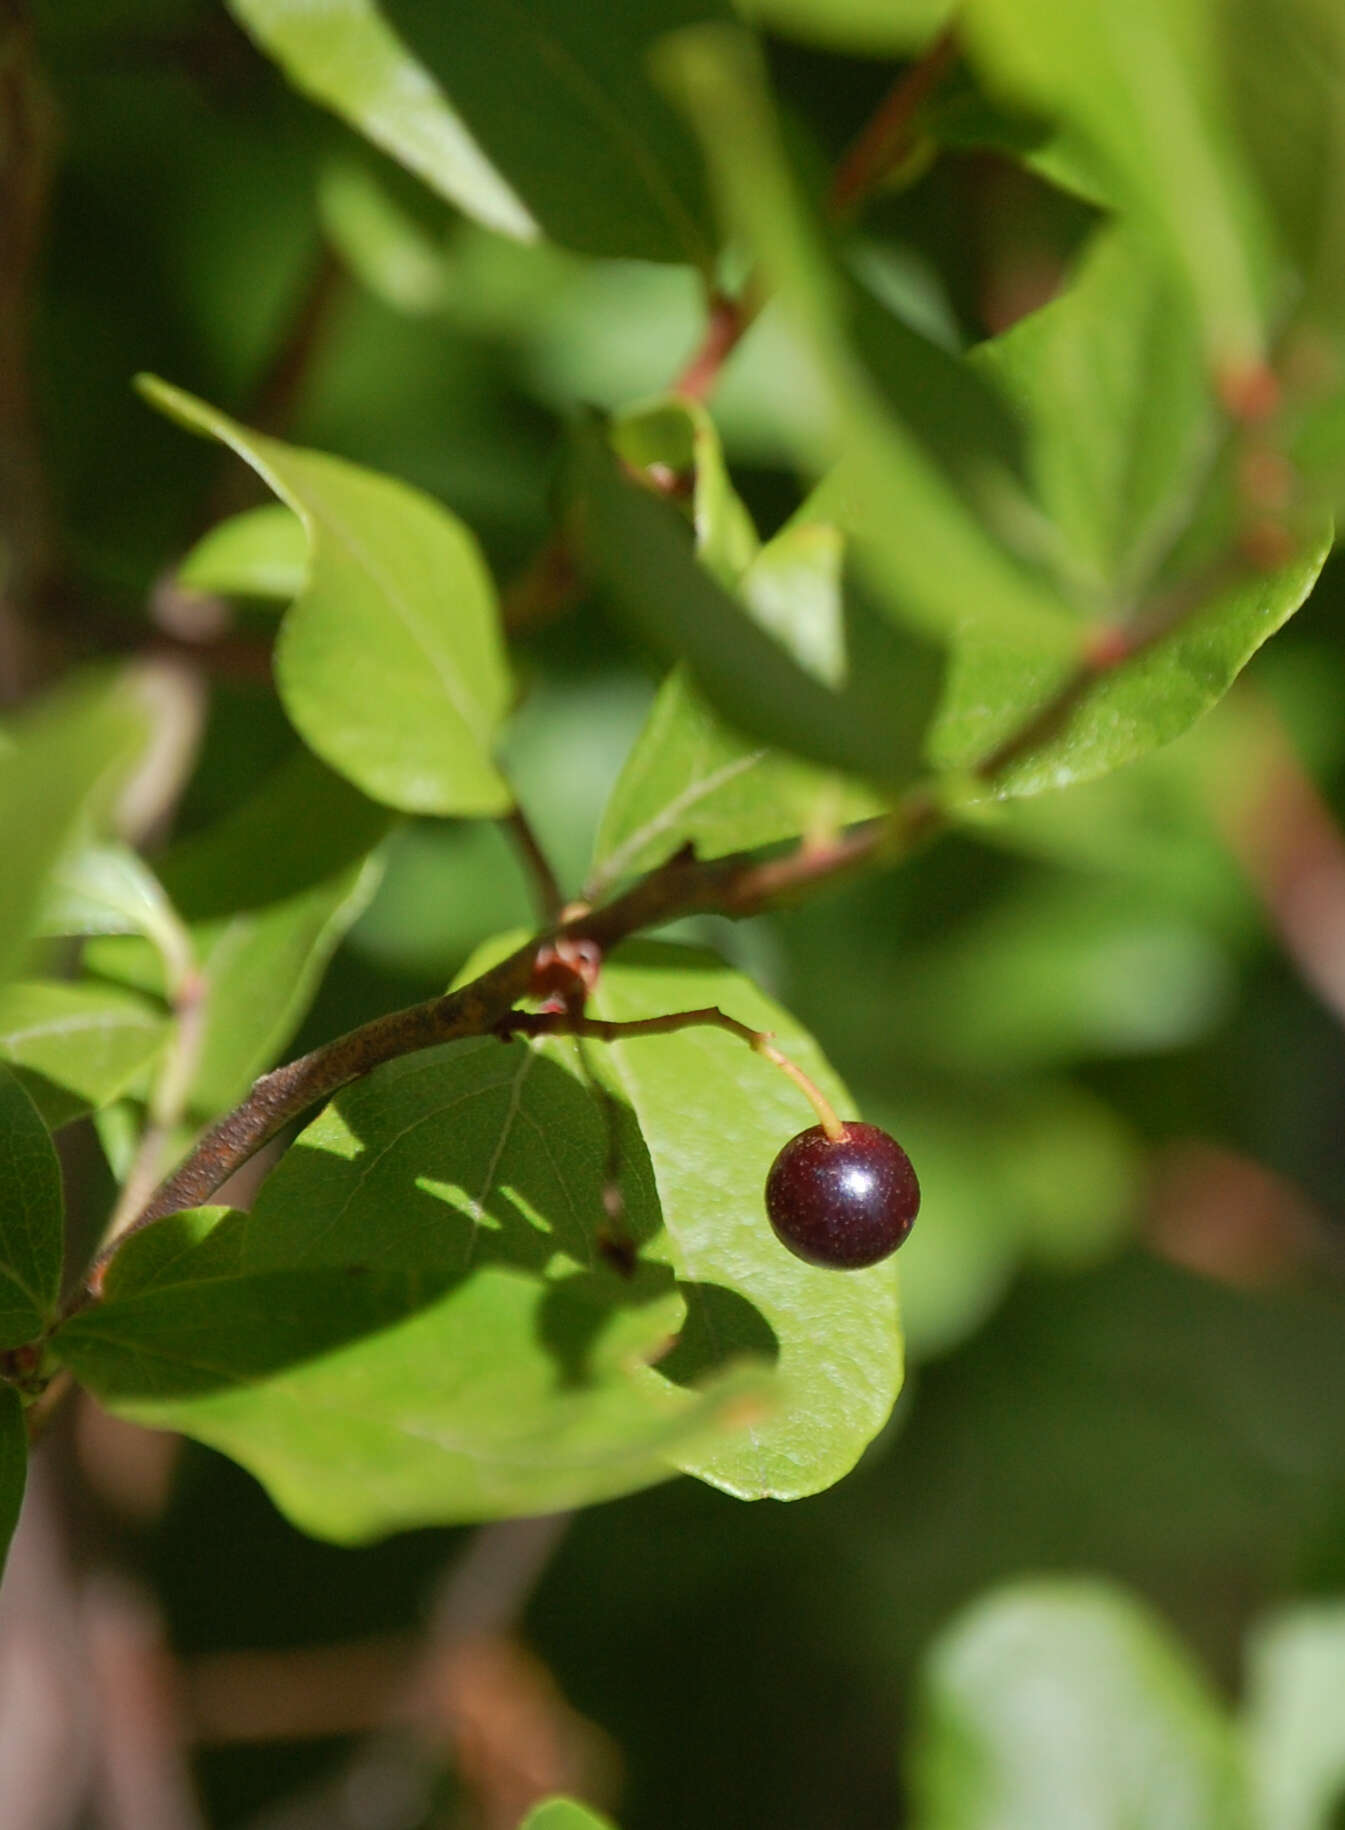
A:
x,y
844,1203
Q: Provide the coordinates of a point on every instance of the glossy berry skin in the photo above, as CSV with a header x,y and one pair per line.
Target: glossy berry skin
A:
x,y
842,1204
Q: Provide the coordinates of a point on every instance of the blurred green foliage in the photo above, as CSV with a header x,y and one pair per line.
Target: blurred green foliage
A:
x,y
1058,1009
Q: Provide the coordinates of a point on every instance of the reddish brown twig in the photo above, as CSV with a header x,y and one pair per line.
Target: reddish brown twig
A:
x,y
548,896
891,131
726,323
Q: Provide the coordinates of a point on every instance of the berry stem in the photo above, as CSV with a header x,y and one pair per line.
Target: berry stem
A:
x,y
566,1023
823,1107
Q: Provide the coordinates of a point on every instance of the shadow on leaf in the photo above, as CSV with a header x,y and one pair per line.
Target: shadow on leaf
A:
x,y
442,1166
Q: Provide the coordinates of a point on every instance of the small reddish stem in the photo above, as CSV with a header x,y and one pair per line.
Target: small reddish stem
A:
x,y
727,322
890,133
547,893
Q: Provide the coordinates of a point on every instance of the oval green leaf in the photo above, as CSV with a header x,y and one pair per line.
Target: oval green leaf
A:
x,y
261,553
713,1116
390,663
1130,709
691,780
77,1046
59,765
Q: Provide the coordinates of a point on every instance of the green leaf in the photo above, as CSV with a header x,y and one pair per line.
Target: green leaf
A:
x,y
1129,709
678,438
31,1210
564,1814
1124,432
690,776
267,893
390,664
1064,1703
925,507
1123,424
77,1046
413,1324
1293,1725
1141,80
343,54
60,765
13,1465
689,779
713,1116
107,889
1012,640
559,95
871,725
263,967
261,553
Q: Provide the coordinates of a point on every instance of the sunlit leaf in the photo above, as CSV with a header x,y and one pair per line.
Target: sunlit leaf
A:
x,y
76,1046
713,1116
689,779
390,663
870,725
108,889
343,53
1127,710
60,762
262,552
691,776
266,894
